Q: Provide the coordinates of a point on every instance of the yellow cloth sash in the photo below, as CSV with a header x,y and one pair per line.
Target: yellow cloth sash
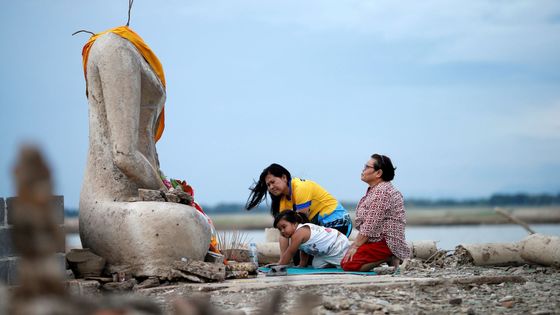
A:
x,y
128,34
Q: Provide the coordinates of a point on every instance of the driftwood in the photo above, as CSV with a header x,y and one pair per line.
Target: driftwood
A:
x,y
541,249
202,269
422,249
491,254
514,219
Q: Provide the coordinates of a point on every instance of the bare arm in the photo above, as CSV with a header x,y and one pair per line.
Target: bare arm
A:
x,y
360,240
284,243
297,238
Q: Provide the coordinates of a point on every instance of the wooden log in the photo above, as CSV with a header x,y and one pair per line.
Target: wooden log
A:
x,y
491,254
203,269
541,249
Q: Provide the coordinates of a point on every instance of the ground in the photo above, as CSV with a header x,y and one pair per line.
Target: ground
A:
x,y
420,289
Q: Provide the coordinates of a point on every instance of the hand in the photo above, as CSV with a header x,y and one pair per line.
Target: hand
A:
x,y
349,254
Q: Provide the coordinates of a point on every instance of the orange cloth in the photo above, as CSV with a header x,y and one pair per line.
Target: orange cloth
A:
x,y
128,34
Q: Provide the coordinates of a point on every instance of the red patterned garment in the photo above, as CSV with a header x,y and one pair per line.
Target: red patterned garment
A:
x,y
380,214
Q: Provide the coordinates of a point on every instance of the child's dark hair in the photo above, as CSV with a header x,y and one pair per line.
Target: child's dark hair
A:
x,y
290,216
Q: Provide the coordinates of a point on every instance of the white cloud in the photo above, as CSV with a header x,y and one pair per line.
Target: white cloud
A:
x,y
458,31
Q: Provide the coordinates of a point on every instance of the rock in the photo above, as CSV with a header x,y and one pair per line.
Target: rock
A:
x,y
177,274
237,274
184,197
83,287
215,258
170,197
396,308
249,267
370,306
151,195
148,283
336,304
455,301
506,298
384,270
202,269
237,254
507,304
120,286
84,263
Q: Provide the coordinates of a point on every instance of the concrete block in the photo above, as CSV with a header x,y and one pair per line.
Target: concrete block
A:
x,y
8,270
57,208
2,212
13,270
4,270
9,208
6,247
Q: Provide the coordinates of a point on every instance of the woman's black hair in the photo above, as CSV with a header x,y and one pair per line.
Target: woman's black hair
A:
x,y
384,163
290,216
259,189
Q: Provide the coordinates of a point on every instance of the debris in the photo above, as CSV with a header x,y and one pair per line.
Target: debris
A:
x,y
206,270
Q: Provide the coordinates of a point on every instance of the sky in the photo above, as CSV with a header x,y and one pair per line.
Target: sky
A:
x,y
463,96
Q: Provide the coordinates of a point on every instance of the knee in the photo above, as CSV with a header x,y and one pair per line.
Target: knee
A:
x,y
350,266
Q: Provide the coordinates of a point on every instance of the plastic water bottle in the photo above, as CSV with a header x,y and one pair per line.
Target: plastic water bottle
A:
x,y
253,255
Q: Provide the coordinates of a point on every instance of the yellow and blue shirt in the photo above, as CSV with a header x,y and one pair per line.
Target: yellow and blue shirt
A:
x,y
323,207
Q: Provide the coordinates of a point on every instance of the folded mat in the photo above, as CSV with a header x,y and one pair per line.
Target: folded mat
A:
x,y
311,270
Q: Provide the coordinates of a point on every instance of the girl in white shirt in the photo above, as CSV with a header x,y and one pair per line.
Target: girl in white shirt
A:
x,y
326,245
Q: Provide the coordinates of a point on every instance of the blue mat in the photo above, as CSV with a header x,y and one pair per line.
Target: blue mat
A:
x,y
311,270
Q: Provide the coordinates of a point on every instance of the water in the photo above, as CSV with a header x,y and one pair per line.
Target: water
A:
x,y
447,236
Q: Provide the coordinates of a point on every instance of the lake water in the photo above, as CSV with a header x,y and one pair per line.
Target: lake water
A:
x,y
447,236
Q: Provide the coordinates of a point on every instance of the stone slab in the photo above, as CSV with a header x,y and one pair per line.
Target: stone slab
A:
x,y
6,247
8,270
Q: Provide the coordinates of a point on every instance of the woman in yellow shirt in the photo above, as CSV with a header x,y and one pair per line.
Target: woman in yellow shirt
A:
x,y
301,195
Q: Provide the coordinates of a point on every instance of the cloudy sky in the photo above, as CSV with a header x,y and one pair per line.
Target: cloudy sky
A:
x,y
464,96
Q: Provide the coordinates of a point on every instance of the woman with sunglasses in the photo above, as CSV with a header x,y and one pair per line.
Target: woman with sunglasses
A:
x,y
300,195
380,220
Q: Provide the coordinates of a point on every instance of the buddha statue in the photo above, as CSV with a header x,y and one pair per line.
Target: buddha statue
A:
x,y
126,98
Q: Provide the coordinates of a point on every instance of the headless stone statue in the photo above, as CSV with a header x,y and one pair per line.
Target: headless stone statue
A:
x,y
142,237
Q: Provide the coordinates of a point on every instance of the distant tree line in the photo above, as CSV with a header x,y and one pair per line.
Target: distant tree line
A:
x,y
519,199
